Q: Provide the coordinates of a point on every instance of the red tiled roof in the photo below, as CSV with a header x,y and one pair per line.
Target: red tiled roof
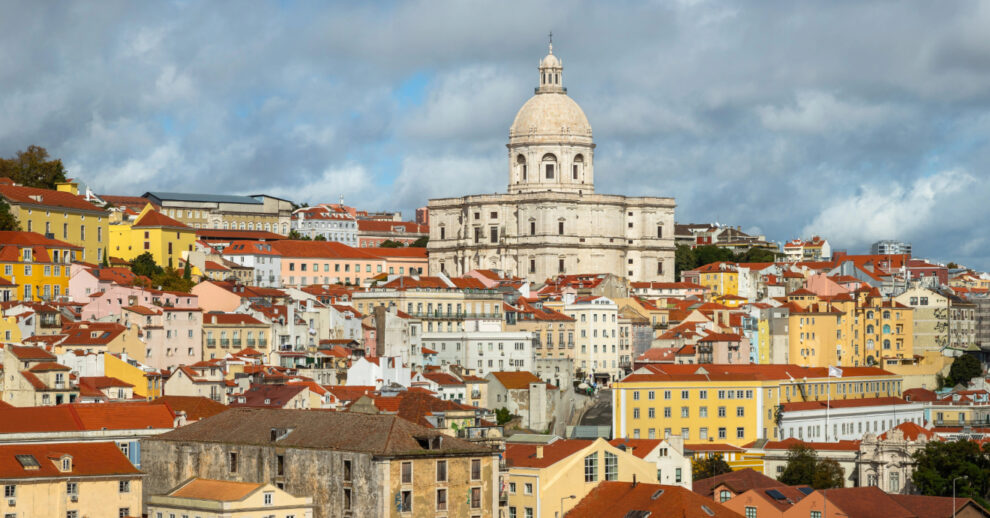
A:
x,y
230,319
516,379
89,459
738,481
525,455
619,499
442,378
408,227
709,446
195,407
843,403
638,447
48,366
320,250
793,441
911,431
686,372
30,353
153,218
80,417
19,194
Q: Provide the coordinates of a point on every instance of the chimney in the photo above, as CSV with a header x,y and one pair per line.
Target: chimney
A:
x,y
539,452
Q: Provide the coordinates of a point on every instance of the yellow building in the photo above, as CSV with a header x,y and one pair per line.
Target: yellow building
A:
x,y
763,341
719,279
859,328
147,382
225,499
732,404
543,477
553,331
68,479
60,215
153,232
37,264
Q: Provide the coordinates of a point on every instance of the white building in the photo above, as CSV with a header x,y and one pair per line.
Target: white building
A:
x,y
378,372
551,221
258,255
330,223
597,352
848,419
483,347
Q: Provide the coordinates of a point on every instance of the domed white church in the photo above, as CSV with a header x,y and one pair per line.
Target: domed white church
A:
x,y
551,221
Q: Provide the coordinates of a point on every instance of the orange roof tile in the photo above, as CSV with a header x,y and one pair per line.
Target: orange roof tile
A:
x,y
217,490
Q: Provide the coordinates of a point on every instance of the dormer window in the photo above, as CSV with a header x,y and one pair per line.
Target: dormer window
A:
x,y
66,464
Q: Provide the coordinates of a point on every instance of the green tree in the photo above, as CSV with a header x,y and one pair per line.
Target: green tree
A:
x,y
952,266
502,416
320,237
170,279
388,243
684,259
709,467
144,264
421,242
805,468
940,462
187,272
711,254
964,368
7,219
106,258
33,168
756,255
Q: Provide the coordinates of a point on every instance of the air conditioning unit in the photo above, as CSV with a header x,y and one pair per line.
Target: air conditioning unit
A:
x,y
74,498
11,503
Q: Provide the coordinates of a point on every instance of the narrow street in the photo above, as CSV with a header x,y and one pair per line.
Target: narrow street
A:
x,y
600,413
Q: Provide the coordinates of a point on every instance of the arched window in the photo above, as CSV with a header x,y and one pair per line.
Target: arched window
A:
x,y
886,315
578,165
242,225
886,329
251,226
869,329
521,166
284,228
869,315
549,165
268,227
225,226
886,344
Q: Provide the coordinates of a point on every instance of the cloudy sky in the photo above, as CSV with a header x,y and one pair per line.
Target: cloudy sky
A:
x,y
857,120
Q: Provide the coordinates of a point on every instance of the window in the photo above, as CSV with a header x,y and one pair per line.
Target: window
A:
x,y
441,471
441,499
651,395
591,468
724,495
740,432
347,499
685,412
750,511
475,498
611,466
71,488
493,234
475,469
560,227
702,394
636,395
348,472
721,411
405,501
527,489
124,486
677,475
269,496
740,411
407,472
72,514
895,482
232,462
721,432
816,514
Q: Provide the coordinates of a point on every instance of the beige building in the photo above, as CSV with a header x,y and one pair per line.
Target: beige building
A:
x,y
551,221
221,211
32,377
74,480
443,304
543,477
225,499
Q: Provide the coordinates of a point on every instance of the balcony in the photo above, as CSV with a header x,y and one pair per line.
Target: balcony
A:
x,y
475,394
224,342
251,342
237,342
211,342
262,342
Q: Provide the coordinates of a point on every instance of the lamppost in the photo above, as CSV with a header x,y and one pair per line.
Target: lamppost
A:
x,y
562,504
954,493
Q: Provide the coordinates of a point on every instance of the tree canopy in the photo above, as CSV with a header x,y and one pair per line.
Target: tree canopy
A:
x,y
388,243
421,242
709,467
963,369
940,462
805,468
33,168
168,279
687,258
7,219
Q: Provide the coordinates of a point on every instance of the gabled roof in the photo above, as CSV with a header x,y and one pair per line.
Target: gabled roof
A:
x,y
216,490
89,459
513,380
624,500
738,481
79,417
195,407
526,455
153,218
19,194
385,435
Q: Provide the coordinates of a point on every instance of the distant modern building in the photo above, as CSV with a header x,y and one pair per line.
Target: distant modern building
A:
x,y
551,221
224,211
890,247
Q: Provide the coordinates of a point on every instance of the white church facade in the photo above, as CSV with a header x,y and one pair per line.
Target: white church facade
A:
x,y
551,221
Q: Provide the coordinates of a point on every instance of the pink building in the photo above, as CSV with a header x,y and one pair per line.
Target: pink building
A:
x,y
173,336
114,297
723,348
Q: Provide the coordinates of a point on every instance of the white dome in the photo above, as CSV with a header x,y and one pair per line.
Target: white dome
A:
x,y
550,114
550,61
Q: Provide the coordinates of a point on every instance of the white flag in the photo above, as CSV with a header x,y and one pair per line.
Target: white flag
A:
x,y
834,372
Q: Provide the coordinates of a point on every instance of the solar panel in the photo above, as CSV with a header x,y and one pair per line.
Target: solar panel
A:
x,y
776,495
806,490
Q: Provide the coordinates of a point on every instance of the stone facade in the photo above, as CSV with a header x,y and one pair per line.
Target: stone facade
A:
x,y
551,221
342,481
